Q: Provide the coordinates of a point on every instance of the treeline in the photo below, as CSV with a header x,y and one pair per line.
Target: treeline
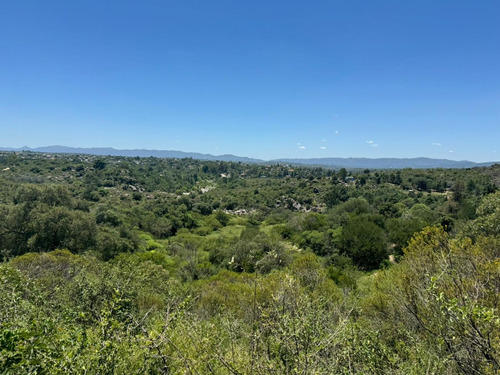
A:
x,y
161,266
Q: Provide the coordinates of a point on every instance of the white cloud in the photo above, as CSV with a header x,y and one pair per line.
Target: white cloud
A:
x,y
451,151
298,144
302,147
336,132
370,142
323,147
323,140
374,145
436,144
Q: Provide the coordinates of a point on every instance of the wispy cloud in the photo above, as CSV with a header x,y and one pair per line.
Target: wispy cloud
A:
x,y
451,151
302,147
436,144
337,132
323,140
323,147
370,142
374,145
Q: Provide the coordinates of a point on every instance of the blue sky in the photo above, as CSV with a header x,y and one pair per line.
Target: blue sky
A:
x,y
265,79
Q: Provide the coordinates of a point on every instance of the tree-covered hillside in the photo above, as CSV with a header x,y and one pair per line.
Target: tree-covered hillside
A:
x,y
181,266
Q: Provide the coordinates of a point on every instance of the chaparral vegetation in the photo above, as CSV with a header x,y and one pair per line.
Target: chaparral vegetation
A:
x,y
114,265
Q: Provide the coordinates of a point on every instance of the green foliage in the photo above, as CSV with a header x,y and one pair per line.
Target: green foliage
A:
x,y
363,241
336,195
168,267
444,292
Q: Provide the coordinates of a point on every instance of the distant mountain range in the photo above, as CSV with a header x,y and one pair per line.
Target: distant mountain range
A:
x,y
352,163
105,151
388,163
